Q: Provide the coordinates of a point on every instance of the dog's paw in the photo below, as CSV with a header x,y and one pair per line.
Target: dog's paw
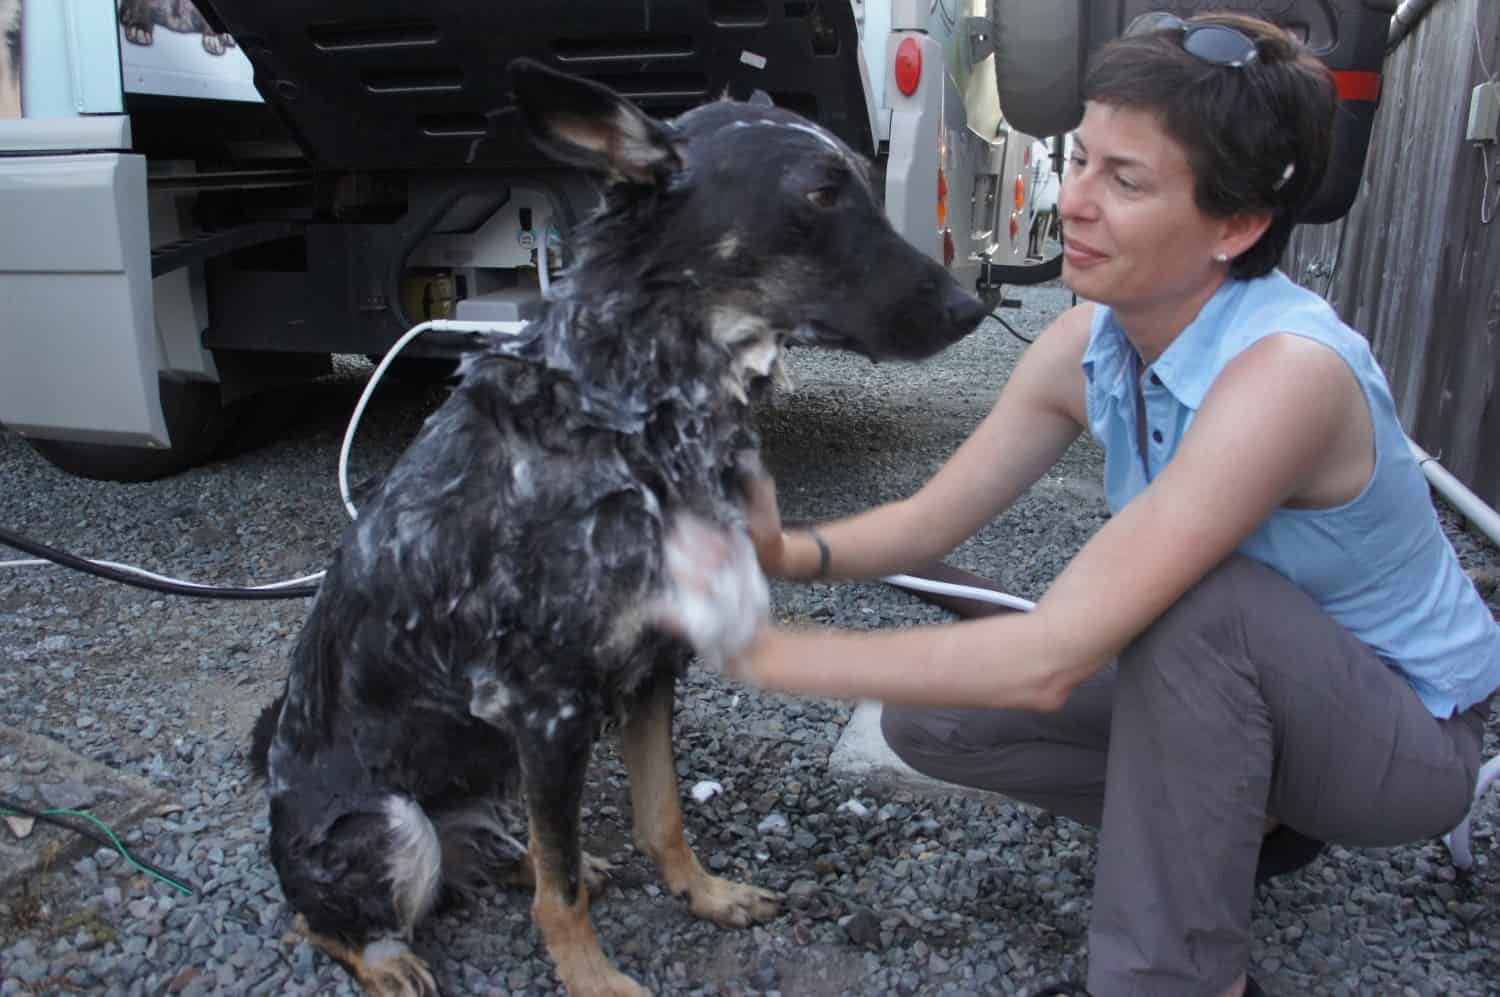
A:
x,y
138,34
610,983
596,872
730,904
384,968
402,974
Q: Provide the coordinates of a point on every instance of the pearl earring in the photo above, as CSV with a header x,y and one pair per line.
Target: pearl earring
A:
x,y
1221,257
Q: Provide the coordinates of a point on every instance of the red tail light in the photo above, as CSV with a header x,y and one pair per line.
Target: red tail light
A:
x,y
908,66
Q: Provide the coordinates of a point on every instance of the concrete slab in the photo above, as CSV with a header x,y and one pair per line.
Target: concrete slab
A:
x,y
862,754
42,774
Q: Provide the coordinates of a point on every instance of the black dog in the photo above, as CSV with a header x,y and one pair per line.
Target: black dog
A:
x,y
488,614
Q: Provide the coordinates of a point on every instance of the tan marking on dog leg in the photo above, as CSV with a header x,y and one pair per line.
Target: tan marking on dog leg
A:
x,y
569,932
596,873
646,744
384,969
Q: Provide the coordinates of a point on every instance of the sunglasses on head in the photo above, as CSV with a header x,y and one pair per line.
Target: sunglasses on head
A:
x,y
1213,43
1216,44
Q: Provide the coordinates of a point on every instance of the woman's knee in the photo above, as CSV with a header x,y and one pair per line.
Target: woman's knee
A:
x,y
912,733
939,741
1208,621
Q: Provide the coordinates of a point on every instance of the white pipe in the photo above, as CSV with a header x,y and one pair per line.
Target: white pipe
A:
x,y
543,278
434,325
1457,494
960,591
1485,519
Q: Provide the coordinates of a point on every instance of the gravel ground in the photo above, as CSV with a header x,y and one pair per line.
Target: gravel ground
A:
x,y
886,893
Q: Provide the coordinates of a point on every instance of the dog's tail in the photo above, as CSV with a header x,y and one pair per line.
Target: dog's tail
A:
x,y
260,740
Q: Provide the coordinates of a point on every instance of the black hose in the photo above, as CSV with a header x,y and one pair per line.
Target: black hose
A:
x,y
1011,329
29,546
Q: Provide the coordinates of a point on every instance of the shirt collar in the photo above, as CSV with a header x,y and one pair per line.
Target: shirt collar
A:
x,y
1186,368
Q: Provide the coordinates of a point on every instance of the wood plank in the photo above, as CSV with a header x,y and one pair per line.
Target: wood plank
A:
x,y
1415,267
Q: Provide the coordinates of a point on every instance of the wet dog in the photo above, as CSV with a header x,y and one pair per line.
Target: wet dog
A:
x,y
487,616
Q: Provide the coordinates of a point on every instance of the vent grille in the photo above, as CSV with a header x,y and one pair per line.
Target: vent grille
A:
x,y
409,81
468,126
346,36
649,88
739,13
623,48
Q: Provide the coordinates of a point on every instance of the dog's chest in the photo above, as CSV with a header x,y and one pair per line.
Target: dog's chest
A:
x,y
518,538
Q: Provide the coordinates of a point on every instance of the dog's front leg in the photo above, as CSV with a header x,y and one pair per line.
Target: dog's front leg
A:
x,y
554,758
646,743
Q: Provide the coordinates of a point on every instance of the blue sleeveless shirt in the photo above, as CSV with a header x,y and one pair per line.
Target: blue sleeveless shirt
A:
x,y
1379,564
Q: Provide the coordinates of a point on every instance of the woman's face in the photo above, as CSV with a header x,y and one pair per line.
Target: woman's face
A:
x,y
1134,238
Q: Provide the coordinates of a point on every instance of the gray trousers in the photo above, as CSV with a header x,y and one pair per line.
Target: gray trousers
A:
x,y
1244,700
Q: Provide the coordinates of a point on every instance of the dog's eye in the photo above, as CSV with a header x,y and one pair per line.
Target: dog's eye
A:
x,y
823,197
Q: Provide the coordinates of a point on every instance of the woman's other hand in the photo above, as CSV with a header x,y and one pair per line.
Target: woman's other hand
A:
x,y
762,514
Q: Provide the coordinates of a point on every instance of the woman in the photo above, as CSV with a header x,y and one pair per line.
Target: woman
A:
x,y
1271,628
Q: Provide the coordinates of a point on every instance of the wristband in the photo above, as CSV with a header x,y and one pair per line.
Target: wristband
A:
x,y
823,553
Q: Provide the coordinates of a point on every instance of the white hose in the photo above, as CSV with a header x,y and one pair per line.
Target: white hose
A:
x,y
543,278
960,591
434,325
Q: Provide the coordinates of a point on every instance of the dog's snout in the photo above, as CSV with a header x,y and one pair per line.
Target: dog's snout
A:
x,y
964,310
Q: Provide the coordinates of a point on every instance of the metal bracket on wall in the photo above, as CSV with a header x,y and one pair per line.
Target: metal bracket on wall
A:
x,y
981,38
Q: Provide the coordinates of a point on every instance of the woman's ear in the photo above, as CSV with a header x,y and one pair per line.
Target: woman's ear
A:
x,y
1238,233
584,124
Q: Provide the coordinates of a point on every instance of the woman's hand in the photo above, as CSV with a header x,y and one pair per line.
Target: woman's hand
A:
x,y
762,514
716,597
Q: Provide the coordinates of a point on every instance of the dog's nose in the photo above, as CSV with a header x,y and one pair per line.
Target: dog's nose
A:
x,y
965,311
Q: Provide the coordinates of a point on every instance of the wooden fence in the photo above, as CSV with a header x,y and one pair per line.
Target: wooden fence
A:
x,y
1413,266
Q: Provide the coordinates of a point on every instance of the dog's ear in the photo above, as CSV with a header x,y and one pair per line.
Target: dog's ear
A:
x,y
583,124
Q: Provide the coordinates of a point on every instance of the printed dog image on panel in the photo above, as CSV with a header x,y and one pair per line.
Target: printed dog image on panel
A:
x,y
139,18
10,58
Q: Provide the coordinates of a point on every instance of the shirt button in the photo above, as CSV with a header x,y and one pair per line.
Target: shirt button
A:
x,y
1156,435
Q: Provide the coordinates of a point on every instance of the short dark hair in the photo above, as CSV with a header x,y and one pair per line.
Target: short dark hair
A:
x,y
1240,125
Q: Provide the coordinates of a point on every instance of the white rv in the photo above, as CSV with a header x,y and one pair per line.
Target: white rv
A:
x,y
198,202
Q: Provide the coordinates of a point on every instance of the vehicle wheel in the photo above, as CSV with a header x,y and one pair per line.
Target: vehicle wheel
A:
x,y
196,424
1039,60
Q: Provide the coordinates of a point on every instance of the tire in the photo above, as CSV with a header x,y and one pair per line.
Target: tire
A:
x,y
196,424
1040,52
